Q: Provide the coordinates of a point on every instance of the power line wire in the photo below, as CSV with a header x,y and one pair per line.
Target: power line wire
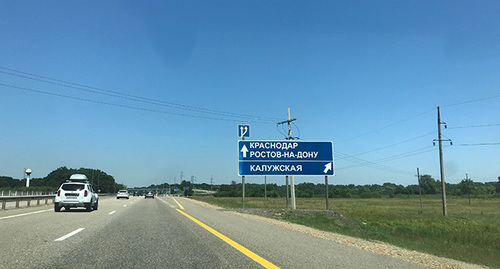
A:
x,y
475,126
376,163
116,105
360,162
395,144
386,126
135,98
397,156
478,144
406,154
425,112
280,131
473,101
298,130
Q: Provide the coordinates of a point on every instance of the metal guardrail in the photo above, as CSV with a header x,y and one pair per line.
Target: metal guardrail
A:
x,y
5,199
23,193
28,198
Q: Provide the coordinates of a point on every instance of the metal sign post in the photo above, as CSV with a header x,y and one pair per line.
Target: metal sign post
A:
x,y
326,193
243,186
243,131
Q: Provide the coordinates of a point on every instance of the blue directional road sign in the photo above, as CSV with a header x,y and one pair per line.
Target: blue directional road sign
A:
x,y
243,130
285,158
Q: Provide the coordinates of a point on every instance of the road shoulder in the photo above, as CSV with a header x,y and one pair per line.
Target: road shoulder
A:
x,y
371,246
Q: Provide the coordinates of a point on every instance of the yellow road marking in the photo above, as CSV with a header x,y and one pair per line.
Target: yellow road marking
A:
x,y
235,245
178,203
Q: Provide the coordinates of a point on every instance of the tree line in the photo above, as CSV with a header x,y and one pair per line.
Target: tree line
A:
x,y
428,185
104,183
184,188
100,181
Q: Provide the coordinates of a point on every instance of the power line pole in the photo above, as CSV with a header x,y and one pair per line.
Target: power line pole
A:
x,y
292,185
287,193
440,140
469,186
420,191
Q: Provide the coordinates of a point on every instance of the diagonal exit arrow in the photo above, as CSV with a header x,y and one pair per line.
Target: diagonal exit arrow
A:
x,y
328,167
243,130
244,150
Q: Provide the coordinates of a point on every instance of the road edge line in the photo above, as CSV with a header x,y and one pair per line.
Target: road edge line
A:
x,y
25,214
178,203
265,263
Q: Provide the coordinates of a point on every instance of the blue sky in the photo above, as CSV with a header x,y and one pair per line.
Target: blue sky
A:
x,y
145,90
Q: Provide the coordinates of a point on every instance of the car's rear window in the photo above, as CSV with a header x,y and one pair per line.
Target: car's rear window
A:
x,y
73,187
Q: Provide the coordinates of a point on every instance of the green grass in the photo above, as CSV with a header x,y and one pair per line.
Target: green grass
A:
x,y
468,233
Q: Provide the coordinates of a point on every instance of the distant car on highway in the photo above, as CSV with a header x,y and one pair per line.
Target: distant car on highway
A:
x,y
76,192
149,194
122,194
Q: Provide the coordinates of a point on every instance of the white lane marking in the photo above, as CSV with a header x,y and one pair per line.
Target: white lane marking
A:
x,y
124,205
25,214
70,234
112,212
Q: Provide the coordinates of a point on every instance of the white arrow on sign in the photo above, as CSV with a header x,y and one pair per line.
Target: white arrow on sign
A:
x,y
243,130
328,167
244,150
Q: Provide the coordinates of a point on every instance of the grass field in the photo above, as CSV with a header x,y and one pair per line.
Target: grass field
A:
x,y
468,233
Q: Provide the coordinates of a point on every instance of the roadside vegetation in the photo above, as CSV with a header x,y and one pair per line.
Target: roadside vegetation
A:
x,y
470,232
100,181
465,188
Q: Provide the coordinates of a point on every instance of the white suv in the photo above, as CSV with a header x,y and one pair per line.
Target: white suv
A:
x,y
76,192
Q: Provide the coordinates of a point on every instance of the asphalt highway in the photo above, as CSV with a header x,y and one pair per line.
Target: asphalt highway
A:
x,y
165,232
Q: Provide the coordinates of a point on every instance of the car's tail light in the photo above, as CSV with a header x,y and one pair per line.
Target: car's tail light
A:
x,y
86,193
59,193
